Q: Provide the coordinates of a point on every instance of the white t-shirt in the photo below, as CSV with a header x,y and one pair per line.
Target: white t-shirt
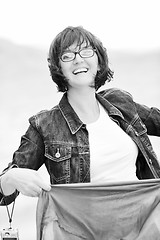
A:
x,y
112,152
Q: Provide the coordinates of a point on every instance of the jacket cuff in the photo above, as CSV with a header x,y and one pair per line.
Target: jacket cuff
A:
x,y
6,200
10,166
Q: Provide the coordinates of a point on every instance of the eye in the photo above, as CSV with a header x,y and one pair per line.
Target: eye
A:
x,y
87,52
67,56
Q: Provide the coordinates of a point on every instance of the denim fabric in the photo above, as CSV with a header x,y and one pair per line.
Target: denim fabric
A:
x,y
119,211
59,139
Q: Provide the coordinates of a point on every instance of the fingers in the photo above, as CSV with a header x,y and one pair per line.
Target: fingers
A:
x,y
32,192
37,190
34,189
37,184
28,182
45,186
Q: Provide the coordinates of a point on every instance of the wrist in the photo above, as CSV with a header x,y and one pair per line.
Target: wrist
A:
x,y
6,182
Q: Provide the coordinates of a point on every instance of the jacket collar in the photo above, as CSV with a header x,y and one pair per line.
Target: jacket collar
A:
x,y
111,109
72,118
70,115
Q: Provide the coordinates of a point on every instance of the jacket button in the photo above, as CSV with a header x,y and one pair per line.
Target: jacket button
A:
x,y
57,155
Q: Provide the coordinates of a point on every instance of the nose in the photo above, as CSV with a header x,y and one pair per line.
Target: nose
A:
x,y
78,58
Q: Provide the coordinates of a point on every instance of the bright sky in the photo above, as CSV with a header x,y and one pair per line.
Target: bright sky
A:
x,y
118,23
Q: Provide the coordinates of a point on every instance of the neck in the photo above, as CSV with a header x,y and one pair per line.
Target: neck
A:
x,y
85,104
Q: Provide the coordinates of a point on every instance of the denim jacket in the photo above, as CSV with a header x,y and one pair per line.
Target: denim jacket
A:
x,y
59,139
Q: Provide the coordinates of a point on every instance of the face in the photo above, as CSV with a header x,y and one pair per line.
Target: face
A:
x,y
80,72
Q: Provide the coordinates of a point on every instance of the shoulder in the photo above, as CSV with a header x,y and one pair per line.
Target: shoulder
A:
x,y
117,96
43,116
115,93
120,99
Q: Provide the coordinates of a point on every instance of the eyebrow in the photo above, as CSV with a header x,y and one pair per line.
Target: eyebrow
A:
x,y
69,50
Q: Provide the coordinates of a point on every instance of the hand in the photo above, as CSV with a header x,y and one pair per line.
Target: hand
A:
x,y
26,181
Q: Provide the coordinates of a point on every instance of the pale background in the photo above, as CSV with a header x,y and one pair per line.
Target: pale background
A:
x,y
128,28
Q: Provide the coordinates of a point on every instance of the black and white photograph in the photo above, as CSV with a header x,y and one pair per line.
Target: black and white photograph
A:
x,y
80,120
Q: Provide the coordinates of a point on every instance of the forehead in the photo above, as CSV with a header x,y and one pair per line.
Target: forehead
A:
x,y
74,40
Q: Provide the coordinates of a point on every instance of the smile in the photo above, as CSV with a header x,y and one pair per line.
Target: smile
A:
x,y
80,70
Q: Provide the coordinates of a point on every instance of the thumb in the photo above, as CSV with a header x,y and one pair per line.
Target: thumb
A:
x,y
45,186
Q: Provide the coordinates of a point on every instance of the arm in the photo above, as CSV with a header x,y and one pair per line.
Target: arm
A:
x,y
24,178
124,100
151,118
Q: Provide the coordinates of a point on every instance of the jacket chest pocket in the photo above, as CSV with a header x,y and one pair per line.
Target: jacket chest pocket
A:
x,y
58,163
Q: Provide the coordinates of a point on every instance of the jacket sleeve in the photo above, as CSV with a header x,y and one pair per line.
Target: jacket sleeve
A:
x,y
151,118
125,102
6,200
30,154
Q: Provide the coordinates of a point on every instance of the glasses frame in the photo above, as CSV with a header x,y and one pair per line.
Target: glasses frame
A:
x,y
78,52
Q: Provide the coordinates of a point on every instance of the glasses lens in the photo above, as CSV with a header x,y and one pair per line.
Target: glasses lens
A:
x,y
86,53
67,57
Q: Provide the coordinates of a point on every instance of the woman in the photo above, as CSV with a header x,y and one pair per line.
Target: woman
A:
x,y
89,136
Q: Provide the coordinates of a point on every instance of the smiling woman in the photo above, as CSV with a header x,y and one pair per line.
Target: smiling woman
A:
x,y
78,39
80,71
89,137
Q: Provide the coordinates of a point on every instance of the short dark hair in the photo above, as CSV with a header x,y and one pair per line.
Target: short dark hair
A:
x,y
65,39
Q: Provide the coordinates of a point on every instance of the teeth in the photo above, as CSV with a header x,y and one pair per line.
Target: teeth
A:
x,y
80,70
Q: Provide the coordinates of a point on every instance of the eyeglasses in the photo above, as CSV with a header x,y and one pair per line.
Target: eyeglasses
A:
x,y
84,53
